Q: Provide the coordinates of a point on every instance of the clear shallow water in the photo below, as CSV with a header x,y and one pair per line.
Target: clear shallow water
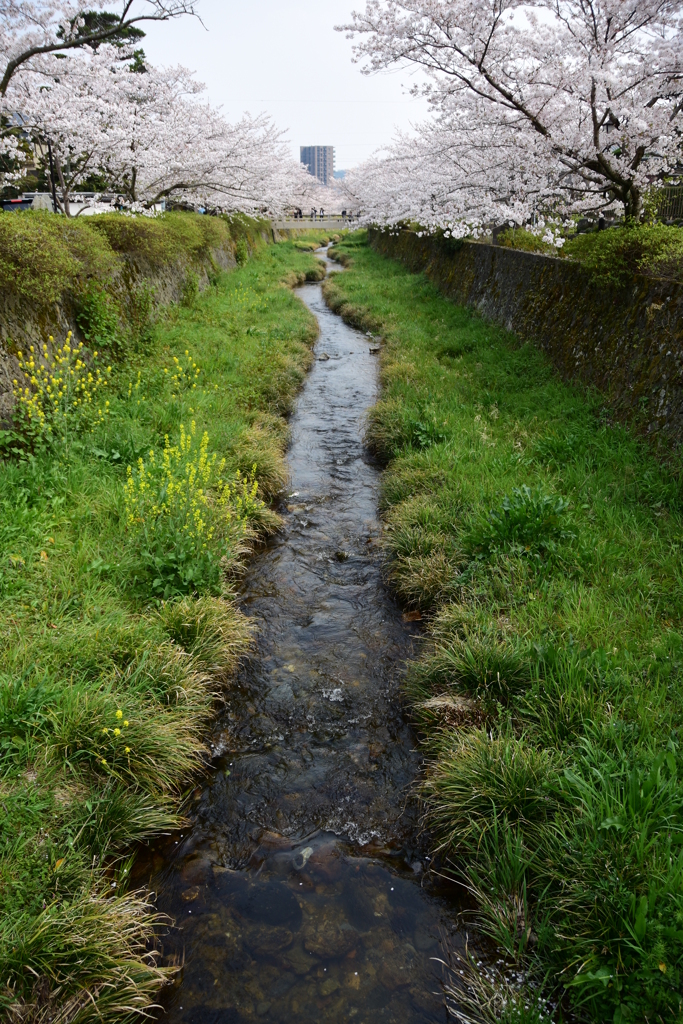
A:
x,y
300,892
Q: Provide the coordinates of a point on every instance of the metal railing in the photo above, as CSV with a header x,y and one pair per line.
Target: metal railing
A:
x,y
670,205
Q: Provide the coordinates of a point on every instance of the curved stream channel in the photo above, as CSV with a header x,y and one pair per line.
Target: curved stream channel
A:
x,y
299,892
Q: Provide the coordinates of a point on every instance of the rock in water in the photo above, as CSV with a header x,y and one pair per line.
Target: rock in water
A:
x,y
271,903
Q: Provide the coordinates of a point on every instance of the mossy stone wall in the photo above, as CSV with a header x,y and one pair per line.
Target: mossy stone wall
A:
x,y
627,342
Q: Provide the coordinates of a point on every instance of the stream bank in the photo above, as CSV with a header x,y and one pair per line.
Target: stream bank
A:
x,y
301,891
541,539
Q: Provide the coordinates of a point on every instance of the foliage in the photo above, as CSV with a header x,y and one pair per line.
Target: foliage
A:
x,y
241,252
614,256
546,543
98,318
96,268
162,241
62,393
84,636
520,238
44,258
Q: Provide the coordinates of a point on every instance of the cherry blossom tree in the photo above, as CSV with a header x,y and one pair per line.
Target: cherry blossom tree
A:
x,y
561,104
32,30
150,137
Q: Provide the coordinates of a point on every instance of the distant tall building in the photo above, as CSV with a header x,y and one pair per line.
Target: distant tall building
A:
x,y
320,162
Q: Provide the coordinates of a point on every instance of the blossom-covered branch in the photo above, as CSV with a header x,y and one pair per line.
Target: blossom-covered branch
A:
x,y
33,29
573,102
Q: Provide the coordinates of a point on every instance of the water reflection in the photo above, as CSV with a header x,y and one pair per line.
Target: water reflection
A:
x,y
300,891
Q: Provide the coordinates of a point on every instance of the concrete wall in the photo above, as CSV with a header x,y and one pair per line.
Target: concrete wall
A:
x,y
627,342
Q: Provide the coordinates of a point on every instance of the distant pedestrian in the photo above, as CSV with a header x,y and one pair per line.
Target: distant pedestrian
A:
x,y
322,213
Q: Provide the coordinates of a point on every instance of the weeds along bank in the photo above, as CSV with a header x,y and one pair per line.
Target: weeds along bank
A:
x,y
105,277
542,544
136,478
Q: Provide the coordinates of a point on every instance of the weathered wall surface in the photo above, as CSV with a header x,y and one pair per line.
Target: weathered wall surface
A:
x,y
627,342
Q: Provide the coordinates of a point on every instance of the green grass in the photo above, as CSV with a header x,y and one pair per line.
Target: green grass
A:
x,y
542,544
87,648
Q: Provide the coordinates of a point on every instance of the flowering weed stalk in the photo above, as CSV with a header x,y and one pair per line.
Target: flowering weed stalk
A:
x,y
183,374
186,514
62,393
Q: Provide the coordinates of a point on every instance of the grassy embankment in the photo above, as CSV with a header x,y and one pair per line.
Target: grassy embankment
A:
x,y
117,623
543,545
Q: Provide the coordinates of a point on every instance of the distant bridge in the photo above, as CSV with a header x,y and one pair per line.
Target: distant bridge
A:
x,y
333,223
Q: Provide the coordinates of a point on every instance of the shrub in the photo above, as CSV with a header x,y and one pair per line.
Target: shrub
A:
x,y
520,238
160,241
241,252
42,257
97,316
612,257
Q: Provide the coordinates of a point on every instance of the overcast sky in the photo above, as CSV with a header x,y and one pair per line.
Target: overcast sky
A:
x,y
284,57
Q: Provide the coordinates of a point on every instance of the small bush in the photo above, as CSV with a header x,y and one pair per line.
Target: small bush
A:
x,y
43,257
98,319
190,289
613,256
241,252
160,241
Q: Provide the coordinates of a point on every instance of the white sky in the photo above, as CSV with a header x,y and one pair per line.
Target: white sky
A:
x,y
284,57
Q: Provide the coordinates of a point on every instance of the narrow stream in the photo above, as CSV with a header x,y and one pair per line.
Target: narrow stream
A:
x,y
301,893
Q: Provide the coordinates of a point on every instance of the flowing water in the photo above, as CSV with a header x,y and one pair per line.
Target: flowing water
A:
x,y
300,893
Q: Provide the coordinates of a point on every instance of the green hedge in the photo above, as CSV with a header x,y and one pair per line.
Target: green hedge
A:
x,y
613,256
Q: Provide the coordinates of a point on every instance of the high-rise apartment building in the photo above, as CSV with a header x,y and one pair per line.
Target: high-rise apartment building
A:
x,y
320,162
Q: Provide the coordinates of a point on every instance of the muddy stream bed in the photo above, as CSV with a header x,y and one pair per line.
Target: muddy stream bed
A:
x,y
302,891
